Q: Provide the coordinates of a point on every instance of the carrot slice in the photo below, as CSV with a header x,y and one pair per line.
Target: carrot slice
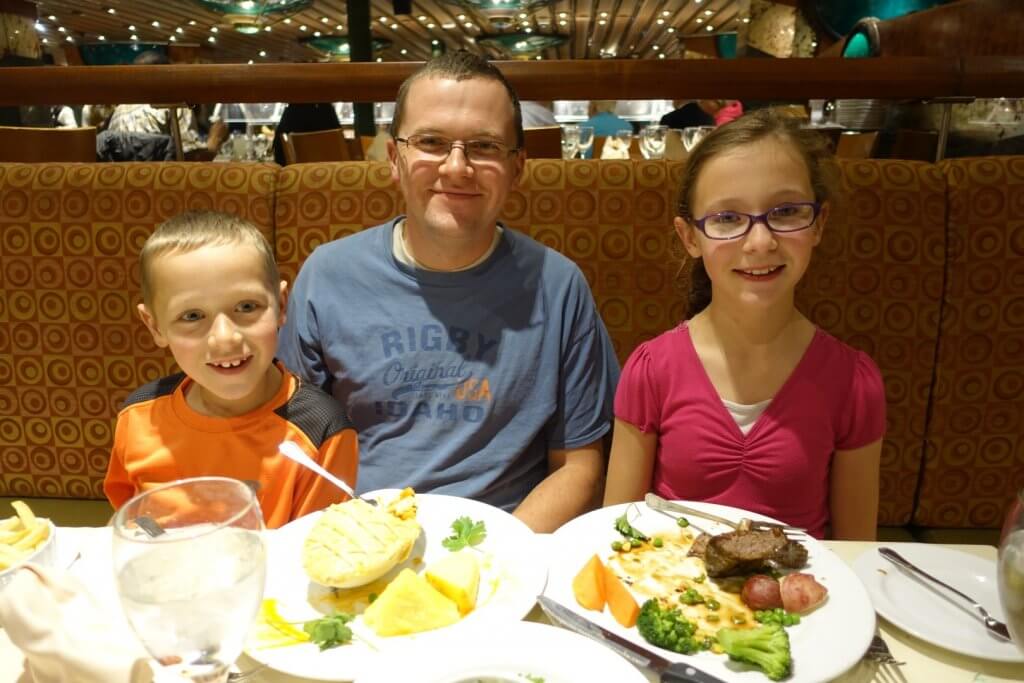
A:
x,y
588,585
620,600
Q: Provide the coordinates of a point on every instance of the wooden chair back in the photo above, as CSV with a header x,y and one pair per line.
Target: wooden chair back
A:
x,y
857,145
321,145
544,143
32,145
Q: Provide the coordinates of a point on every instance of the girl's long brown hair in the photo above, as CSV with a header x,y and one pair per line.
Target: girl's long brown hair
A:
x,y
748,129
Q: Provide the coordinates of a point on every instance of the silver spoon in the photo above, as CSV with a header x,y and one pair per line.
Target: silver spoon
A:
x,y
994,626
291,450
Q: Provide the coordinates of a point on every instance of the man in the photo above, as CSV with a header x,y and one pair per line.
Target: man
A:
x,y
470,357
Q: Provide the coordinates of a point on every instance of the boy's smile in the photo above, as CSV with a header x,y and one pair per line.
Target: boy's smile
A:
x,y
215,311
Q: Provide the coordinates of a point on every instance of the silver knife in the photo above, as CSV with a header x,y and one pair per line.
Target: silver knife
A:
x,y
668,672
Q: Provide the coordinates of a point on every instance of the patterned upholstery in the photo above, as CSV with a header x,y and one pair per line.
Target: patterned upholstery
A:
x,y
975,461
875,282
71,345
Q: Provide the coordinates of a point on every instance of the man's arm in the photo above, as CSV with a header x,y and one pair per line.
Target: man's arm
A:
x,y
574,482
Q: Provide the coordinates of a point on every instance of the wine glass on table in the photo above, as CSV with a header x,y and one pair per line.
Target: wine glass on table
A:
x,y
189,567
652,141
1011,570
570,141
585,141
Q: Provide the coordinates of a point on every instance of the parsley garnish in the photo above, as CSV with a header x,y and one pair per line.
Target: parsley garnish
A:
x,y
623,526
329,631
466,533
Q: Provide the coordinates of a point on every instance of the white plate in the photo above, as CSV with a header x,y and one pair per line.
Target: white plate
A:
x,y
512,576
930,612
523,649
825,644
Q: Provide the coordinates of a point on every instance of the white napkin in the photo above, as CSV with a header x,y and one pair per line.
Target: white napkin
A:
x,y
66,636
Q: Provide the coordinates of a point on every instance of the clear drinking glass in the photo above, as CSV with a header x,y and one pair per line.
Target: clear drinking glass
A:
x,y
570,141
1011,570
189,566
586,140
652,142
694,134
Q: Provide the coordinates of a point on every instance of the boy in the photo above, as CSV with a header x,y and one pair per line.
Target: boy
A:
x,y
212,295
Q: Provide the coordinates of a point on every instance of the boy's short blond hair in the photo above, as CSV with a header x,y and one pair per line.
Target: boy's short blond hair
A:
x,y
195,229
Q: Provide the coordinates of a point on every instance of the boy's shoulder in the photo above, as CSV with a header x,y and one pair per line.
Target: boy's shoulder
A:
x,y
315,413
158,388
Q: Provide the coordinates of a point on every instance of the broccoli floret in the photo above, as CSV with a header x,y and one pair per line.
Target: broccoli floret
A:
x,y
667,628
766,647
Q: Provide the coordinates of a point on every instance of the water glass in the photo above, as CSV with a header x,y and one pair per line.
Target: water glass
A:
x,y
585,141
694,134
570,141
1011,570
652,142
189,567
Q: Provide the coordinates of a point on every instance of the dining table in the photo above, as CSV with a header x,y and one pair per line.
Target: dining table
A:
x,y
86,554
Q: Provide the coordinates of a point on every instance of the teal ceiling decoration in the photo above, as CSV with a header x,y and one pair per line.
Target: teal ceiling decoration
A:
x,y
521,43
113,53
501,14
839,18
337,47
250,16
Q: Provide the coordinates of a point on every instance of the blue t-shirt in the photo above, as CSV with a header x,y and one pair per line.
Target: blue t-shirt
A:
x,y
458,383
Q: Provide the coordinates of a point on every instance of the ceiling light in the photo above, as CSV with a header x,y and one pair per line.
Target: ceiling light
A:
x,y
659,22
62,29
131,27
403,51
449,25
527,30
40,27
380,59
709,27
422,18
173,39
214,29
267,29
665,13
52,18
655,48
539,57
700,20
431,25
602,22
211,39
708,13
102,37
250,61
303,28
134,37
70,39
604,15
317,34
746,20
671,29
155,24
661,55
324,20
340,27
563,22
468,24
394,27
179,30
263,53
814,43
288,20
111,10
383,20
562,15
523,15
45,40
461,17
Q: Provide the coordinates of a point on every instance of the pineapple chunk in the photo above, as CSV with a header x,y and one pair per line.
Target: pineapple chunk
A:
x,y
457,576
409,605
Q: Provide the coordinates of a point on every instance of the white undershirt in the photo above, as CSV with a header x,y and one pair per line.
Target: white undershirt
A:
x,y
746,414
403,255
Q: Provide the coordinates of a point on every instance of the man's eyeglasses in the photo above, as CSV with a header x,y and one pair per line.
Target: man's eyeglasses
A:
x,y
437,148
730,225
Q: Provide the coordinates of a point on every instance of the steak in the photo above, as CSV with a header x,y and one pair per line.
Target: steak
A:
x,y
747,551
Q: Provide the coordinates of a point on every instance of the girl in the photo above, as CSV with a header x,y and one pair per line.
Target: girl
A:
x,y
747,403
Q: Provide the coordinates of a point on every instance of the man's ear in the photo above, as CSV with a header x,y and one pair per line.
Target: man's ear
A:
x,y
519,165
393,159
149,320
688,235
282,304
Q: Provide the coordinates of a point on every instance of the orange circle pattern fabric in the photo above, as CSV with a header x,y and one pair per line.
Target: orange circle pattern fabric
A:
x,y
71,345
975,448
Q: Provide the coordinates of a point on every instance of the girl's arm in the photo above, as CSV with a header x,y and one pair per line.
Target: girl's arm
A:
x,y
631,465
853,492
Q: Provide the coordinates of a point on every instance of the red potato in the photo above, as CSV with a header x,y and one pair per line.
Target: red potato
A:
x,y
801,593
761,592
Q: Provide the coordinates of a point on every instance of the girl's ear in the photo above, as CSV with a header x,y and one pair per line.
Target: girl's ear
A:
x,y
688,235
819,227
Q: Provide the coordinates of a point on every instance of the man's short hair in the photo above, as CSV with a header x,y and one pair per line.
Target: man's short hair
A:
x,y
459,66
193,230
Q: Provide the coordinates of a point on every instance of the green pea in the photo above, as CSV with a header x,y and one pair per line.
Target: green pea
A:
x,y
616,546
713,618
713,604
700,579
683,522
658,543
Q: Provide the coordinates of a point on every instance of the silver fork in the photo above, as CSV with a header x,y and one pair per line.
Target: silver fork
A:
x,y
878,651
236,676
656,502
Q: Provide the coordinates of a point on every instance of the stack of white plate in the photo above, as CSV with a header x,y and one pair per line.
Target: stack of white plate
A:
x,y
860,114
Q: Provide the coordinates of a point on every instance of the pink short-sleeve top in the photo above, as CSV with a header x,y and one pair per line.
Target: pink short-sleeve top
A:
x,y
833,400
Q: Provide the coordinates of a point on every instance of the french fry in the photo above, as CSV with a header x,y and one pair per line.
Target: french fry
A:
x,y
20,535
